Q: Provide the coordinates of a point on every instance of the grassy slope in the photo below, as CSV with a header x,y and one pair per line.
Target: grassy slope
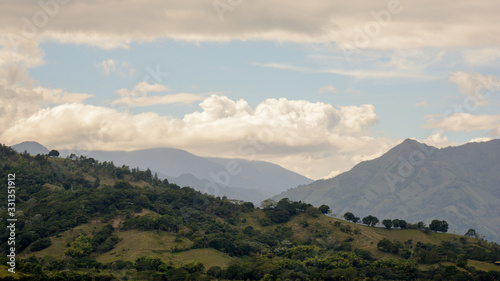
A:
x,y
368,237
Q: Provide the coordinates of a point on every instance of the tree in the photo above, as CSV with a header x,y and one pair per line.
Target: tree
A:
x,y
387,223
349,216
395,223
471,232
324,209
437,225
54,153
402,224
462,261
370,220
313,212
81,247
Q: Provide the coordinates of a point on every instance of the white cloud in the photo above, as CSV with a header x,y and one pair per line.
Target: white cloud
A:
x,y
111,66
108,66
142,89
423,104
310,138
327,89
465,122
357,73
481,139
437,139
482,56
139,96
476,86
324,21
186,98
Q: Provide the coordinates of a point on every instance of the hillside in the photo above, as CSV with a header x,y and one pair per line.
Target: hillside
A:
x,y
85,219
415,182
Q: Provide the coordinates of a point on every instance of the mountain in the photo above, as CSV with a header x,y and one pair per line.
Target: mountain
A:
x,y
240,179
416,182
74,219
32,147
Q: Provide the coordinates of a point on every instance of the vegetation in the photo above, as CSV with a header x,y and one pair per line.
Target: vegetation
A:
x,y
81,219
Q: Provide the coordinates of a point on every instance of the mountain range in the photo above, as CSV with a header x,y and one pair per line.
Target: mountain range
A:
x,y
416,182
240,179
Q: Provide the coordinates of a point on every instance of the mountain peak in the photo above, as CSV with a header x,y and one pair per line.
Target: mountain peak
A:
x,y
32,147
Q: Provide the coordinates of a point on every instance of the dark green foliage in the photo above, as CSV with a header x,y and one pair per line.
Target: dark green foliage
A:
x,y
462,260
370,220
387,223
149,264
348,216
285,209
324,209
437,225
53,153
388,246
40,244
471,233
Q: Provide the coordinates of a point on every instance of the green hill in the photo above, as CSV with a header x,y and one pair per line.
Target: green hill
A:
x,y
81,219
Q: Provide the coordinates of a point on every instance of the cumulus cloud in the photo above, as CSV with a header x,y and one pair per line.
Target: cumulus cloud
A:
x,y
437,139
117,23
481,139
476,86
292,133
465,122
327,89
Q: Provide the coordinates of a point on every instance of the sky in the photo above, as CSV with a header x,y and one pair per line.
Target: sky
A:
x,y
315,87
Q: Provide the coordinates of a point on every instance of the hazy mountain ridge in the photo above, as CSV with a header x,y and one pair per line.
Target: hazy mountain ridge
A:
x,y
244,180
458,184
32,147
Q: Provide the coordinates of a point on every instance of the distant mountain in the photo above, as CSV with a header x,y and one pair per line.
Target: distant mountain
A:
x,y
416,182
32,147
235,178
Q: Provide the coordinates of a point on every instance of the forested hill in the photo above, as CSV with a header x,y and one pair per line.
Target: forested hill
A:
x,y
82,219
414,181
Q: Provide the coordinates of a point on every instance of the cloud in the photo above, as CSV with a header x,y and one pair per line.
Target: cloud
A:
x,y
465,122
139,96
437,139
127,68
423,104
475,86
108,66
118,23
111,66
328,88
311,138
482,56
186,98
142,89
481,139
357,73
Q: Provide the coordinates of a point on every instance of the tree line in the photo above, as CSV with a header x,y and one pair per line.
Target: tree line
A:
x,y
436,225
